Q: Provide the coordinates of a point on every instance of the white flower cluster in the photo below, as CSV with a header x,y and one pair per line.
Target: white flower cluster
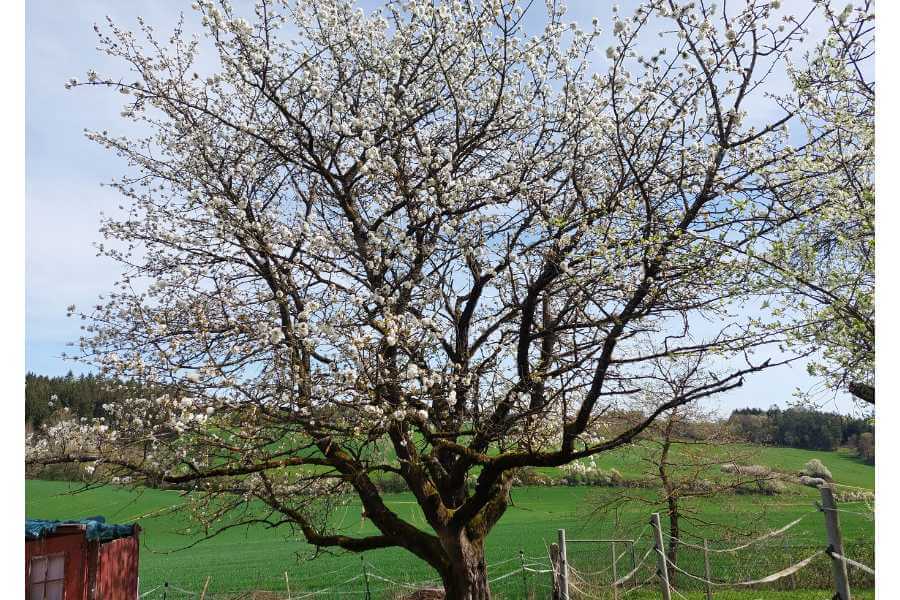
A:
x,y
422,223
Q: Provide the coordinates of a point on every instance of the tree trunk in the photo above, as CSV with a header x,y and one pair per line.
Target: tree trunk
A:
x,y
671,500
674,534
466,577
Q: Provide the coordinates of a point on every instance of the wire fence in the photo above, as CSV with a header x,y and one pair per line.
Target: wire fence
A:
x,y
784,562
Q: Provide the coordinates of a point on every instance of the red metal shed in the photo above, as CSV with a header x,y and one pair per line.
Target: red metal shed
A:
x,y
80,560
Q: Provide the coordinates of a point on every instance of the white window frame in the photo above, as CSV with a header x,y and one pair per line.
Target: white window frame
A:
x,y
31,575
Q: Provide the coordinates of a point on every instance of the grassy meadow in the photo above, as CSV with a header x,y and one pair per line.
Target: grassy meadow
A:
x,y
257,558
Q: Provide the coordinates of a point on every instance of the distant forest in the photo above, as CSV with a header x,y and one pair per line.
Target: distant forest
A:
x,y
47,398
805,428
82,396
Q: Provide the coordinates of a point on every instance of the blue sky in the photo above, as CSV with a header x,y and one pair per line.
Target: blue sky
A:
x,y
64,170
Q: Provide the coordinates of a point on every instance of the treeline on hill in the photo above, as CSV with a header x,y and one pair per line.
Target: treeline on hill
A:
x,y
806,429
51,399
82,396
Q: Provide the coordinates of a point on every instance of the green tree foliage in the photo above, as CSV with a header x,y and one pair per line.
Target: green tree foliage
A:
x,y
798,428
81,396
865,447
755,428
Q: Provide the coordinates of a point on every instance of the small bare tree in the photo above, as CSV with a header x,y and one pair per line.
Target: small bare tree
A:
x,y
688,454
420,242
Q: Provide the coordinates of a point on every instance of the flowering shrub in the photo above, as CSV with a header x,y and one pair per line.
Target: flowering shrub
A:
x,y
853,495
766,487
815,468
747,470
531,477
580,473
812,481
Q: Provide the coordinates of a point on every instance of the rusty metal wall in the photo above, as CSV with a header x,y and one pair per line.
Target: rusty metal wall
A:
x,y
117,569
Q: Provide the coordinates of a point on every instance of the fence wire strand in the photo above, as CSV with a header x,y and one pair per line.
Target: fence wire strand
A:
x,y
853,563
761,538
757,564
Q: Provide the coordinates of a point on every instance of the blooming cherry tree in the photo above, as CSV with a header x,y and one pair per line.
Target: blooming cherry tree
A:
x,y
423,243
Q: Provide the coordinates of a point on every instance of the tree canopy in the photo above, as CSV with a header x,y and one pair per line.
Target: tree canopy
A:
x,y
425,243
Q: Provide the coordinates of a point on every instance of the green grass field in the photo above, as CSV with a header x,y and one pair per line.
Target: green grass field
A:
x,y
844,466
256,558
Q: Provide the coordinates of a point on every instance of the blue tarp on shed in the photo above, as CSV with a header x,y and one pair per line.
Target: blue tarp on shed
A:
x,y
96,528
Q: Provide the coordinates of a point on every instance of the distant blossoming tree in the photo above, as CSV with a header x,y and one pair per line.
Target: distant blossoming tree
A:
x,y
423,243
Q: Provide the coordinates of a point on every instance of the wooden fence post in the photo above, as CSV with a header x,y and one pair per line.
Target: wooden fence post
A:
x,y
708,573
524,573
563,567
833,529
362,559
663,570
634,564
614,573
554,569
